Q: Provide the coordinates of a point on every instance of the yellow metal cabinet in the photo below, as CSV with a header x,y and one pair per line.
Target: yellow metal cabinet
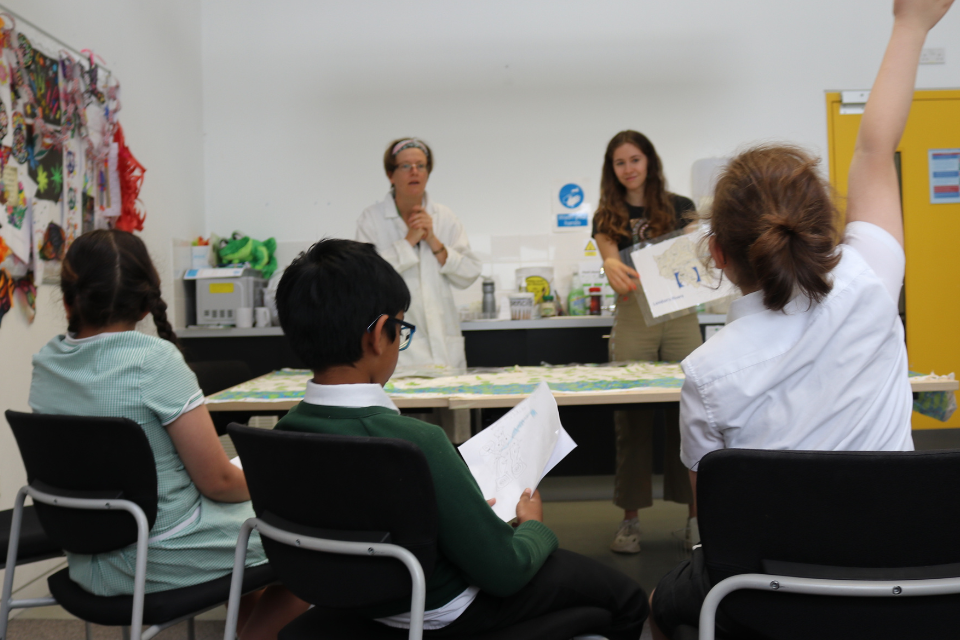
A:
x,y
931,231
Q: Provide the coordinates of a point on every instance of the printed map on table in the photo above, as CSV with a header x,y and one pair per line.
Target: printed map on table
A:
x,y
674,277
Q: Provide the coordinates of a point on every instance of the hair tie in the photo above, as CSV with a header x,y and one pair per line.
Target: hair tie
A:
x,y
410,143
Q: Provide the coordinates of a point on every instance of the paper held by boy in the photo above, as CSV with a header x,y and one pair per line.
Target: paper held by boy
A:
x,y
518,450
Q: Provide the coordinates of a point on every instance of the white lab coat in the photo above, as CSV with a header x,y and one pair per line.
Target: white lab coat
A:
x,y
438,343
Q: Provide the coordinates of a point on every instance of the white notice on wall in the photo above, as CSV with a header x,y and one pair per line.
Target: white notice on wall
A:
x,y
674,277
944,167
516,451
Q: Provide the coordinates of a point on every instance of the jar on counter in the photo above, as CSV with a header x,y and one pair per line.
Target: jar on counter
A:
x,y
548,308
596,301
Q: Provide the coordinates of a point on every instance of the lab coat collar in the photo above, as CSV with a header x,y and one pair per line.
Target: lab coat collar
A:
x,y
390,207
354,396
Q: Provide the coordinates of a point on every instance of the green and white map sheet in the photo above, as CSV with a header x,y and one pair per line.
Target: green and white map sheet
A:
x,y
288,385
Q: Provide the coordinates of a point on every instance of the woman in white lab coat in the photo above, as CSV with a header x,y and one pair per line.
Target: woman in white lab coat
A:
x,y
428,246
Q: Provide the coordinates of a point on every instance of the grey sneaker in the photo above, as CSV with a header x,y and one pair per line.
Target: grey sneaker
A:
x,y
627,539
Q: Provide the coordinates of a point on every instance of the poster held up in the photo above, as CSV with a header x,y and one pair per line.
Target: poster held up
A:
x,y
675,276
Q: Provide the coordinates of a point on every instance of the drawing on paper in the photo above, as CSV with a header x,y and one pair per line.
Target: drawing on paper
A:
x,y
505,452
681,264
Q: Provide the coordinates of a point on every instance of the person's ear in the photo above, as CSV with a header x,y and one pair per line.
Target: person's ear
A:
x,y
717,253
378,339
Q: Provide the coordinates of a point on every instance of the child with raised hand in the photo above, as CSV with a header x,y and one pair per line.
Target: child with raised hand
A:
x,y
342,306
813,356
105,367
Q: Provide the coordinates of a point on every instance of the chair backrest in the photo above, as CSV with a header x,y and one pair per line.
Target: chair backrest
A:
x,y
887,511
85,456
322,484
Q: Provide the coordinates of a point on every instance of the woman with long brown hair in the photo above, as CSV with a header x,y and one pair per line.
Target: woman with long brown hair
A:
x,y
636,206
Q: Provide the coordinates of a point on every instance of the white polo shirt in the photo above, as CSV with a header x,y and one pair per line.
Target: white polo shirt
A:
x,y
829,377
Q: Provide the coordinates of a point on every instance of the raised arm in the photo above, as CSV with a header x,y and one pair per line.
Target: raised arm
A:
x,y
873,187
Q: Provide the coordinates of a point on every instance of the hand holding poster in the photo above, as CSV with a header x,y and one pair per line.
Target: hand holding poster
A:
x,y
674,277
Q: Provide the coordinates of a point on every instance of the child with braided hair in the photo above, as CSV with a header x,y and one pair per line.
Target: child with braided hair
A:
x,y
103,366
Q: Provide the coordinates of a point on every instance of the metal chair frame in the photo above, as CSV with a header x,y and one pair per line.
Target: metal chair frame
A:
x,y
417,600
136,631
820,587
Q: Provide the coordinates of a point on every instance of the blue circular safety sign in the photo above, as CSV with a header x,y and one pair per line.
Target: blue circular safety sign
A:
x,y
571,195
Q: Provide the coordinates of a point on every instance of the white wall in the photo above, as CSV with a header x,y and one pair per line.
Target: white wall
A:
x,y
301,97
154,49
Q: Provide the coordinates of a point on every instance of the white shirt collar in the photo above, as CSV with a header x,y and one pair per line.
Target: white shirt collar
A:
x,y
747,305
353,396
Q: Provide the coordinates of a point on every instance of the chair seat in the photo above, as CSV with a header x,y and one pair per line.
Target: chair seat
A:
x,y
34,544
329,624
159,607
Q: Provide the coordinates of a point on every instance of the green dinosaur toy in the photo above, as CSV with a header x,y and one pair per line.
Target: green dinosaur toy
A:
x,y
260,255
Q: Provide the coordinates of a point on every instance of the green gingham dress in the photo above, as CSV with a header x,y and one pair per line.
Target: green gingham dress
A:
x,y
132,375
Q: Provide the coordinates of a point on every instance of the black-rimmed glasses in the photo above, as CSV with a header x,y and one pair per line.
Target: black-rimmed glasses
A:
x,y
406,330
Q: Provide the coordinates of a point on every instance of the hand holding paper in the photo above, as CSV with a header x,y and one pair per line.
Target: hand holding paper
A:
x,y
515,452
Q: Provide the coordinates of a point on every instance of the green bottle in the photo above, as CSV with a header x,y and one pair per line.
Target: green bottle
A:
x,y
576,301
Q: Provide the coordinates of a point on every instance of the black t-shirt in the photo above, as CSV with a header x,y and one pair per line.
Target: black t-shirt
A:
x,y
638,219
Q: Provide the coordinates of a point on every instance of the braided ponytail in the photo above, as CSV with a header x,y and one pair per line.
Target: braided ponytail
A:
x,y
158,309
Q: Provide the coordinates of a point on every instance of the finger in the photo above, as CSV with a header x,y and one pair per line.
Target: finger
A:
x,y
527,493
492,501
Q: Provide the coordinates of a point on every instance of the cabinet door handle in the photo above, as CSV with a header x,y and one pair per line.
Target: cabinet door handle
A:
x,y
605,337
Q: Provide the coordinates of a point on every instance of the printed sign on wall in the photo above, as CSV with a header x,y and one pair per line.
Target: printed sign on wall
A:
x,y
944,168
570,208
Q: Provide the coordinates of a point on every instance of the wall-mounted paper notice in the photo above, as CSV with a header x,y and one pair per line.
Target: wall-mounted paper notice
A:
x,y
674,277
944,167
516,451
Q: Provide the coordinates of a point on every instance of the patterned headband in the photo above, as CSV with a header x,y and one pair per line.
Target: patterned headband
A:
x,y
410,143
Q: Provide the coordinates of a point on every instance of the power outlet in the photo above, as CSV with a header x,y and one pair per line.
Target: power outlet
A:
x,y
933,55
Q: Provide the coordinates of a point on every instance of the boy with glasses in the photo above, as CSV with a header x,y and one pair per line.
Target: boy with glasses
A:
x,y
341,306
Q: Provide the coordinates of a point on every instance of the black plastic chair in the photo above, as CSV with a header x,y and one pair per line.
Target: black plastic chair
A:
x,y
33,546
335,514
94,486
807,544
